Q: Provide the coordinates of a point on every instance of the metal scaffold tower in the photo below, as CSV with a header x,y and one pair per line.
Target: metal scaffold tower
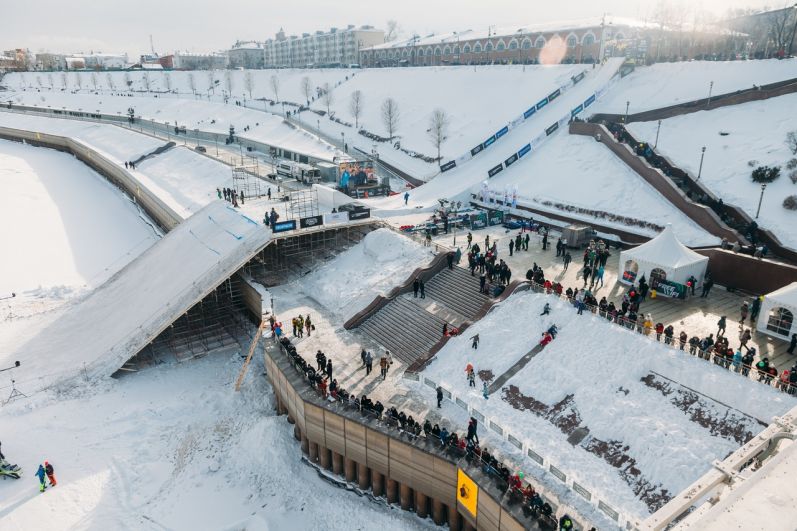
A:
x,y
245,178
303,204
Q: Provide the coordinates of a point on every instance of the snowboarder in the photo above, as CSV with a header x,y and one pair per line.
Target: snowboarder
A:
x,y
41,474
415,287
439,396
546,309
475,342
406,198
50,471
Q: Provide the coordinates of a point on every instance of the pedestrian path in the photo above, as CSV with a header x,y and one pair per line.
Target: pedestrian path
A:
x,y
514,369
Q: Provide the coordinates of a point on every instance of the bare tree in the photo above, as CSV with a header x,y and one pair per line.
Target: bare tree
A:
x,y
307,89
39,81
391,30
78,80
390,116
50,80
94,81
64,80
249,83
791,141
192,82
146,81
356,106
327,97
275,87
211,83
109,81
167,79
438,128
781,31
128,81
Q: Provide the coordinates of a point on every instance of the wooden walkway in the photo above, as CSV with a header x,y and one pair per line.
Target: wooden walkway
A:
x,y
694,315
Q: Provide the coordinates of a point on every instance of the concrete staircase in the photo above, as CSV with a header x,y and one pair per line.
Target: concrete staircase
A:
x,y
409,328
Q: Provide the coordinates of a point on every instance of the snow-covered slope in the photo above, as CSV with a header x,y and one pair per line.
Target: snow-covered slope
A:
x,y
625,390
664,84
173,448
349,282
735,136
99,333
115,142
65,228
185,180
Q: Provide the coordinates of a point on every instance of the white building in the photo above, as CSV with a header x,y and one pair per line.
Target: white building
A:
x,y
335,47
247,55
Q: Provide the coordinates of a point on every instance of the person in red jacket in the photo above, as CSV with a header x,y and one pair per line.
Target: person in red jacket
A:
x,y
546,338
50,471
659,331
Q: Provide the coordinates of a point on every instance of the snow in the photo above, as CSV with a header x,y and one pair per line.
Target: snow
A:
x,y
57,236
115,142
734,136
140,300
664,84
479,102
183,179
139,453
193,114
349,282
669,448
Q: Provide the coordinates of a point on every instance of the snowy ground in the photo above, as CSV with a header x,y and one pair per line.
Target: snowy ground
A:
x,y
578,381
349,282
138,453
189,113
663,84
115,142
79,229
479,101
733,137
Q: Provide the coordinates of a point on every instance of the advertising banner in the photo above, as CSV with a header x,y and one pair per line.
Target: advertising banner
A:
x,y
312,221
284,226
475,151
525,149
336,218
672,290
553,95
502,132
359,214
448,165
511,160
495,170
550,130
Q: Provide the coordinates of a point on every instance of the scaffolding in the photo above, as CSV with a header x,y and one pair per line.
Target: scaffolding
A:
x,y
218,321
303,204
246,178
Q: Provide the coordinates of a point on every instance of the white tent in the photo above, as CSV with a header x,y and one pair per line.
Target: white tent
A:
x,y
664,256
777,312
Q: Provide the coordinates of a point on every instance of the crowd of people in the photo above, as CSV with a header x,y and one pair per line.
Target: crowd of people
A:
x,y
456,445
231,195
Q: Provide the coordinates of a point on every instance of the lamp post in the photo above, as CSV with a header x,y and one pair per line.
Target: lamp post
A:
x,y
658,128
343,141
700,169
627,104
710,88
760,199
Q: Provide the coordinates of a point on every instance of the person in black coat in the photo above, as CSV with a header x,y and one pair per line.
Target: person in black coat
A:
x,y
439,396
415,287
329,369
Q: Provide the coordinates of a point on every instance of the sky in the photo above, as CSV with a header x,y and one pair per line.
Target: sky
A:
x,y
114,26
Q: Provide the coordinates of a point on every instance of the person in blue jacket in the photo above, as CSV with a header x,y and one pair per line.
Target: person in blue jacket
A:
x,y
41,474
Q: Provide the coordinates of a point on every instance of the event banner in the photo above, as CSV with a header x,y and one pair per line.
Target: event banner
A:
x,y
336,218
284,226
312,221
672,290
359,214
495,170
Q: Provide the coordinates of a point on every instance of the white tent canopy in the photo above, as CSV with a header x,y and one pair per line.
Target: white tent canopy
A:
x,y
664,255
777,312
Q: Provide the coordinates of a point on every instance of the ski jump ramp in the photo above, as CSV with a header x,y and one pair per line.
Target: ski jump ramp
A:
x,y
96,335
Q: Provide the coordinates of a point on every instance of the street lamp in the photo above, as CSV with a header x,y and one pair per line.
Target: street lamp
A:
x,y
658,128
627,103
760,199
700,169
710,88
343,140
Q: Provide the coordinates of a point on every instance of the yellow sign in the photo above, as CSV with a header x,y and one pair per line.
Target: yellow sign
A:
x,y
467,492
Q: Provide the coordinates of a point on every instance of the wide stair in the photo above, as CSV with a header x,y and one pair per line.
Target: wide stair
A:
x,y
409,327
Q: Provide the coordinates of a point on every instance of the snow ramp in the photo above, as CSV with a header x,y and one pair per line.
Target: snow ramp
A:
x,y
96,335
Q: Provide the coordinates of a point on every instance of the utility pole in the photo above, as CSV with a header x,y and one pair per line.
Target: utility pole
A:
x,y
760,199
700,169
658,128
625,120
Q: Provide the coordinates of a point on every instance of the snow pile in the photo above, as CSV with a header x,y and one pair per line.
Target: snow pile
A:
x,y
115,142
591,376
665,84
185,180
139,453
348,283
65,227
734,136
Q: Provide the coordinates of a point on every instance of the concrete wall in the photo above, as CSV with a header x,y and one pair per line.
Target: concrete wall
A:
x,y
753,275
414,474
156,209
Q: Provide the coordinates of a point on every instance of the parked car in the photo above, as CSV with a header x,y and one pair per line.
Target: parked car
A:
x,y
201,149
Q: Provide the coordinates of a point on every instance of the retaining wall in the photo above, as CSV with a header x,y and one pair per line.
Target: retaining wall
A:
x,y
753,275
156,209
